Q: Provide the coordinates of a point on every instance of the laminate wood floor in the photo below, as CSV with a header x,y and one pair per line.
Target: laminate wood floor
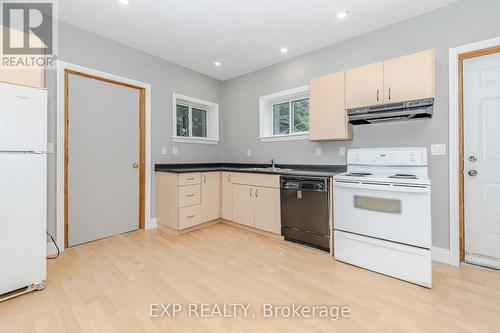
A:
x,y
108,286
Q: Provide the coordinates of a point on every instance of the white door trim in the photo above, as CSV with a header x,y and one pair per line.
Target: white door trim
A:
x,y
454,143
61,67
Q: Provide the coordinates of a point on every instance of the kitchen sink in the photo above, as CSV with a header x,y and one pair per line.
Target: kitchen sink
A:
x,y
268,169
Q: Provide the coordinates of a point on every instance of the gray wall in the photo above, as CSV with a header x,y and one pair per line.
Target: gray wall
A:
x,y
461,23
84,48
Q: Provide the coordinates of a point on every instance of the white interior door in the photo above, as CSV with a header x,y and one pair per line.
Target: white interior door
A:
x,y
481,77
103,146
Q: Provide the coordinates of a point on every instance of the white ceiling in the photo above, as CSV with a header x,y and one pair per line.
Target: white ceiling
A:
x,y
244,35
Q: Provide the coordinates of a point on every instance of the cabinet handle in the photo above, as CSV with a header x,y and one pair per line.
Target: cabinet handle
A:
x,y
256,192
190,195
204,178
250,191
389,93
190,216
378,94
229,177
190,178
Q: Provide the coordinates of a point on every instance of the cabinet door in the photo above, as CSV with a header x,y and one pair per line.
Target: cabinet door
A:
x,y
210,196
243,204
410,77
227,196
22,75
365,86
327,112
267,209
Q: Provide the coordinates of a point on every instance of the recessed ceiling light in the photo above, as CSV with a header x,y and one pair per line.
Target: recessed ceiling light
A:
x,y
125,2
284,50
217,63
343,14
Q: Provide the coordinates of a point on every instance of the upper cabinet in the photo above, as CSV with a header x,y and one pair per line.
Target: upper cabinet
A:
x,y
410,77
400,79
327,111
31,76
365,85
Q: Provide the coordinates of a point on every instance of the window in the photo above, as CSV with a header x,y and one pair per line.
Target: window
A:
x,y
285,115
195,120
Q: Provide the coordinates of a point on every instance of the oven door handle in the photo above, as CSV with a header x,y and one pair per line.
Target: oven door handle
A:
x,y
384,187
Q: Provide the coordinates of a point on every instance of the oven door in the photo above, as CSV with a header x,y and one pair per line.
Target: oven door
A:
x,y
394,212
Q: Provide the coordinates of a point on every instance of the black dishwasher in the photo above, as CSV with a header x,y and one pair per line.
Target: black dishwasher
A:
x,y
305,210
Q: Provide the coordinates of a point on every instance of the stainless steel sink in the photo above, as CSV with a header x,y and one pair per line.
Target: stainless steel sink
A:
x,y
268,169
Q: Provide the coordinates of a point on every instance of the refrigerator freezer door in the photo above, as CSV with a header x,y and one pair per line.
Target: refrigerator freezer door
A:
x,y
23,118
23,212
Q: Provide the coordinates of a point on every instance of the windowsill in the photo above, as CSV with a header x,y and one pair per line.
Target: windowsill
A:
x,y
285,137
206,141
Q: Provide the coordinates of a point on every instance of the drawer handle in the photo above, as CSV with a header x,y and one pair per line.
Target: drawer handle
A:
x,y
190,178
190,195
190,216
256,192
389,93
204,178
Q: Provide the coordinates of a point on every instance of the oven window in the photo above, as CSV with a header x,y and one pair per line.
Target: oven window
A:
x,y
382,205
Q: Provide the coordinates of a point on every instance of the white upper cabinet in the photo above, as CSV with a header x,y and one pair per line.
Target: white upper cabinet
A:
x,y
395,80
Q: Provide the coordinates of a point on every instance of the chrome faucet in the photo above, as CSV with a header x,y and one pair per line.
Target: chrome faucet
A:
x,y
273,163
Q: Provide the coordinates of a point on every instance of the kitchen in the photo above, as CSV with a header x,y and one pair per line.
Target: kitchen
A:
x,y
252,167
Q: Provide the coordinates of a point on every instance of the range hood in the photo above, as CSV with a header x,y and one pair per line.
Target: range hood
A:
x,y
421,108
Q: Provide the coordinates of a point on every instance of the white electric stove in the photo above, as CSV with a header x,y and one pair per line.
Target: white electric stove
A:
x,y
382,213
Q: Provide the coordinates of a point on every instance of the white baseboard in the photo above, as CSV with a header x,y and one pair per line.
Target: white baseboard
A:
x,y
51,249
441,255
151,224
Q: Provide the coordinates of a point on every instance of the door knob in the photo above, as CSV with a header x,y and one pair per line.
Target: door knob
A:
x,y
135,165
472,172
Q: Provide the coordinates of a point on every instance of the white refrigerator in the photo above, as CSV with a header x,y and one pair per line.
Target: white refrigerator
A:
x,y
23,189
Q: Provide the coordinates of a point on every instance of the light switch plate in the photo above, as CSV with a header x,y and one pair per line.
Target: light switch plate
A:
x,y
174,150
249,152
318,151
164,150
341,151
438,150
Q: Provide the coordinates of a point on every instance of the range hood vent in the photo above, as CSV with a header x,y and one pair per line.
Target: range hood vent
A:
x,y
421,108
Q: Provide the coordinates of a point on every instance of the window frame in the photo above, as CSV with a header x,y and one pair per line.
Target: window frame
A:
x,y
212,119
266,114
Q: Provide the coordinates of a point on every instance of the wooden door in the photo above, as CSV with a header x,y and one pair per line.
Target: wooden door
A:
x,y
226,196
243,204
365,86
327,113
210,196
410,77
267,209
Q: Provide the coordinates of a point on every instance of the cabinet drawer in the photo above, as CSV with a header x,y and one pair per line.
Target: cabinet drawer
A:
x,y
189,195
190,178
256,179
189,216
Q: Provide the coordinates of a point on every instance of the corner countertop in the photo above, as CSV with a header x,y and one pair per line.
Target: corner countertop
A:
x,y
312,170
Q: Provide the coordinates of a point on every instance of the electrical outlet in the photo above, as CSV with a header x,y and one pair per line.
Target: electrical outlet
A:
x,y
341,151
174,150
318,151
249,152
438,150
164,150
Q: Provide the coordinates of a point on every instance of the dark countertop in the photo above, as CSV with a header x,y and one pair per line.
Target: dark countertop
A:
x,y
312,170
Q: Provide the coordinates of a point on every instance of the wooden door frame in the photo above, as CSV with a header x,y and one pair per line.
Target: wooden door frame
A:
x,y
64,70
457,218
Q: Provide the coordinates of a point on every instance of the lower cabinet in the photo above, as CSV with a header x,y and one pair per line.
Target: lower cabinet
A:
x,y
267,209
257,207
210,196
243,205
226,196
